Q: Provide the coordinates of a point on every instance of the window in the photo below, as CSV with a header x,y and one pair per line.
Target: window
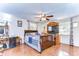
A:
x,y
32,26
64,28
1,30
75,24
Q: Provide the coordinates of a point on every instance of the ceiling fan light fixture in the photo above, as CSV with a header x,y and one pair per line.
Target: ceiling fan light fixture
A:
x,y
43,19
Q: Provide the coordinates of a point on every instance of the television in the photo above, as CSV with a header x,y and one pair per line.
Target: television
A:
x,y
49,28
1,30
53,29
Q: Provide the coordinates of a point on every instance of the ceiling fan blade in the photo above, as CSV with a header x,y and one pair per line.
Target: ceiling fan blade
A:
x,y
37,16
47,19
49,16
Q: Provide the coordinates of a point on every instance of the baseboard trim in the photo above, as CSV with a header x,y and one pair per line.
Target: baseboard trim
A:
x,y
69,45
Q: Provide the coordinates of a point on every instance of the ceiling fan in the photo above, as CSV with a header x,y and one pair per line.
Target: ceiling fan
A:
x,y
43,16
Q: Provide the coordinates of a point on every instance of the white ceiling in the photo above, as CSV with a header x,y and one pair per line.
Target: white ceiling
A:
x,y
28,10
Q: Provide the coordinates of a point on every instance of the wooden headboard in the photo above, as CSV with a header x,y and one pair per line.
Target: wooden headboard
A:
x,y
30,31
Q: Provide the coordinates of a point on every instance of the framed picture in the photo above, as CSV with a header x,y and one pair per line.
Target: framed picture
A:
x,y
19,23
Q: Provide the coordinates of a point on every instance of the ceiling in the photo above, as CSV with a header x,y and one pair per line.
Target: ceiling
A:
x,y
28,10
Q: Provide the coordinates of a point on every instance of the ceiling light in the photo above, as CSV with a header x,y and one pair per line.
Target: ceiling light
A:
x,y
43,19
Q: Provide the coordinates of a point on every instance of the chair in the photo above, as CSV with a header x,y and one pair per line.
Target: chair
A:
x,y
1,49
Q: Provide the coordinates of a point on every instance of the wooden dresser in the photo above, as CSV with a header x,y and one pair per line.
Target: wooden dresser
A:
x,y
47,41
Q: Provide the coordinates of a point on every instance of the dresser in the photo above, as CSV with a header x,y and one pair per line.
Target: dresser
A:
x,y
46,41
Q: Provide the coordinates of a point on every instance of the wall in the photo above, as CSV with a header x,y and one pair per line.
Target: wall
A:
x,y
14,30
17,31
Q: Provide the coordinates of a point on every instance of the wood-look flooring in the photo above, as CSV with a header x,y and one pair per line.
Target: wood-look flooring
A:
x,y
59,50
